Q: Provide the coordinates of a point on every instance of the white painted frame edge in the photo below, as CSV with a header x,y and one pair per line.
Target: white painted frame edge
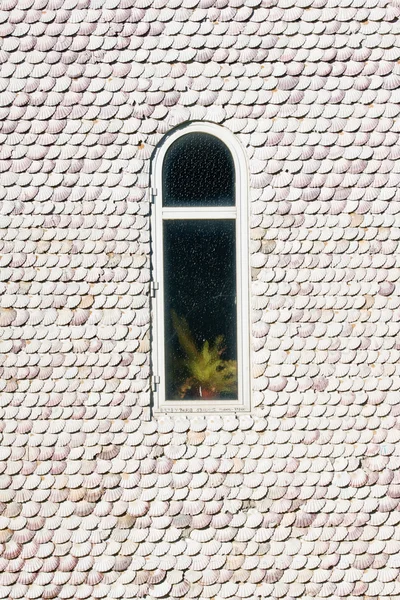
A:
x,y
241,214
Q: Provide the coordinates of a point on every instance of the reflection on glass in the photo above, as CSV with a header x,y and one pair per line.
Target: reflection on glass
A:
x,y
198,171
200,309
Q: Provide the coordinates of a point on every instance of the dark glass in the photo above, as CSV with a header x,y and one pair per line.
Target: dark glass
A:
x,y
198,170
200,309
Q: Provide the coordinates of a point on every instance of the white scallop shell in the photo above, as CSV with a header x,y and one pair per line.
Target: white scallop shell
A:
x,y
386,288
138,508
358,478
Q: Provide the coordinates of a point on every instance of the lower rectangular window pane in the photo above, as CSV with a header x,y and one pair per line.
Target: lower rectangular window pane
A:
x,y
200,309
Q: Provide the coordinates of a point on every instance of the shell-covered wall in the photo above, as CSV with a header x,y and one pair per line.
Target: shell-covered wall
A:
x,y
98,497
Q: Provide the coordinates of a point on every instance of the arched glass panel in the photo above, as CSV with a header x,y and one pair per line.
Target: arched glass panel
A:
x,y
198,171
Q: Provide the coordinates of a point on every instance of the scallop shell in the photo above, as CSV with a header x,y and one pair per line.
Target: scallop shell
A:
x,y
31,509
8,579
202,535
12,549
138,508
192,507
386,288
358,478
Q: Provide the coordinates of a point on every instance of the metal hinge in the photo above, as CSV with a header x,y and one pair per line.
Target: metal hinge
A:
x,y
155,380
153,194
154,286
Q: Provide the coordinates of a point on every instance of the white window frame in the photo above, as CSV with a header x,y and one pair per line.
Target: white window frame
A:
x,y
240,213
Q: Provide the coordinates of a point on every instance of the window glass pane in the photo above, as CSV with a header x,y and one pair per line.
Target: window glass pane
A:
x,y
198,171
200,309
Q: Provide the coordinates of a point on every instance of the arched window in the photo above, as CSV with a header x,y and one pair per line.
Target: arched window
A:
x,y
201,347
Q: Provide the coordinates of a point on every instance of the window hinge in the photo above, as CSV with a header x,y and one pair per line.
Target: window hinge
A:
x,y
153,194
154,286
155,380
